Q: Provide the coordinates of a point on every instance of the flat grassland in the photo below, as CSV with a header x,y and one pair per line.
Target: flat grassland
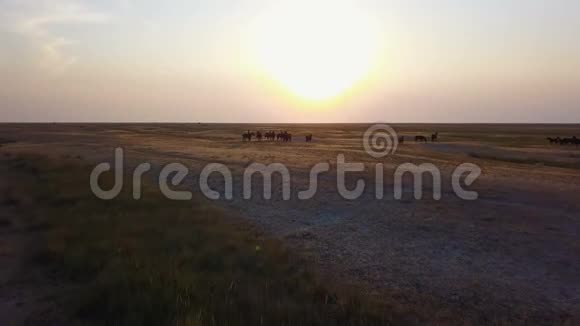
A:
x,y
510,256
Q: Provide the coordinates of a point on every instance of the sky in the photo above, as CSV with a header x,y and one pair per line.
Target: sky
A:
x,y
290,61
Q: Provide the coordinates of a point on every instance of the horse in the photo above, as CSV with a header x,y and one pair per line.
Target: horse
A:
x,y
401,139
284,136
259,135
308,138
566,141
434,136
575,141
420,139
270,135
247,136
553,140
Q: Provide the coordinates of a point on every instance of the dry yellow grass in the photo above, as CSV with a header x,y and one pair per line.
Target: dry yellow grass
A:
x,y
511,255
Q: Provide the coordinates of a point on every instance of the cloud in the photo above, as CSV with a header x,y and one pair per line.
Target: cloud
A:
x,y
36,21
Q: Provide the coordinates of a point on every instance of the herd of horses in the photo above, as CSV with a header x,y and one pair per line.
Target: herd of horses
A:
x,y
564,141
271,135
421,139
285,136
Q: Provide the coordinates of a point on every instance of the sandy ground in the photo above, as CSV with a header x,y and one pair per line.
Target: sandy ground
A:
x,y
513,252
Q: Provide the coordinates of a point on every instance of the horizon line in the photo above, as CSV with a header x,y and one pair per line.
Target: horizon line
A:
x,y
289,123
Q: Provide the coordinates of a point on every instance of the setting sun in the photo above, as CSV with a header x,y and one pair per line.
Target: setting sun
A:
x,y
316,52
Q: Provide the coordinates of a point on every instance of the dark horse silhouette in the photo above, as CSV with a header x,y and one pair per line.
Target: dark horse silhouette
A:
x,y
270,135
247,136
401,139
420,139
566,141
553,140
259,135
284,136
434,136
308,138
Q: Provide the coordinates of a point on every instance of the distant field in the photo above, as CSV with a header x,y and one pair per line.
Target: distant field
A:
x,y
511,256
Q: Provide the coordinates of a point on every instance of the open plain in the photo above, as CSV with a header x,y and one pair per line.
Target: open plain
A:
x,y
512,254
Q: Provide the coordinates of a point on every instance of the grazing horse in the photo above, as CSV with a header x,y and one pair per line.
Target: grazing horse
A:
x,y
308,138
566,141
247,136
420,139
434,136
553,140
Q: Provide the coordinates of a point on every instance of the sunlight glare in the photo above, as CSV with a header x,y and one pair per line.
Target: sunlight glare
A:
x,y
316,50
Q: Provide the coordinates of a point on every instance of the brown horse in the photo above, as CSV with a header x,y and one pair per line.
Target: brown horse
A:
x,y
308,138
270,135
420,139
284,136
553,140
566,141
247,136
434,136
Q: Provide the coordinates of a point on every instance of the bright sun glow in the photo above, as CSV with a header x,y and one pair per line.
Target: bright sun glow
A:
x,y
316,51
